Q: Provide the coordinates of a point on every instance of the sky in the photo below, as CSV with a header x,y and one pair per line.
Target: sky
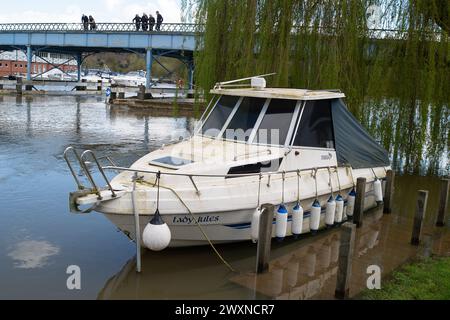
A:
x,y
101,10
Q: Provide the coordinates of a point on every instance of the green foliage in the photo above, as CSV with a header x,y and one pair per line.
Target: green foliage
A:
x,y
429,279
396,82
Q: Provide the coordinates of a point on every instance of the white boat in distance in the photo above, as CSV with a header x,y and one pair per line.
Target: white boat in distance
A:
x,y
300,150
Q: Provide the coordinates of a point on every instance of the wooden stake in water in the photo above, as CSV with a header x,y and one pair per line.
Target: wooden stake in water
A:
x,y
443,202
389,191
346,250
421,207
137,227
264,238
359,201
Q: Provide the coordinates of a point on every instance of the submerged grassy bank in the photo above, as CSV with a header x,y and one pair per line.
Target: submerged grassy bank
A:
x,y
425,280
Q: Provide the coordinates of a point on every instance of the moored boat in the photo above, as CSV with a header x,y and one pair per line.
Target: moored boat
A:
x,y
292,148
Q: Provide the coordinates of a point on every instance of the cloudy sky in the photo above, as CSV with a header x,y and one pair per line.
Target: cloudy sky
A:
x,y
71,11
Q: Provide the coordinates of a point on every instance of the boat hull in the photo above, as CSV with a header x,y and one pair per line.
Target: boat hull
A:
x,y
225,227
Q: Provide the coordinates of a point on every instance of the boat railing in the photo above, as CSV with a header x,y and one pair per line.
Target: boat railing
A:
x,y
85,169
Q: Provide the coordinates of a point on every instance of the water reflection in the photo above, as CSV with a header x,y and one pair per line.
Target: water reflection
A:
x,y
31,254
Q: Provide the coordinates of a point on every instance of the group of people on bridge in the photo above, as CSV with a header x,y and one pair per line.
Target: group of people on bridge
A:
x,y
147,22
88,23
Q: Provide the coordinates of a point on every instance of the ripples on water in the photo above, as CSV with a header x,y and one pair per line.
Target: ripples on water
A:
x,y
39,238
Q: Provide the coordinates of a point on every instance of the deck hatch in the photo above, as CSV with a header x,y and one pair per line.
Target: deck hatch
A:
x,y
170,162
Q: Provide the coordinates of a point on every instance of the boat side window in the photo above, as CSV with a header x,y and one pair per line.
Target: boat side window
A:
x,y
241,126
219,115
316,126
275,125
266,166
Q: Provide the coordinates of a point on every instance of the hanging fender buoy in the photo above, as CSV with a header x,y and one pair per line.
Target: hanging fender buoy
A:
x,y
330,211
351,203
255,225
281,222
297,220
378,190
339,209
314,219
156,235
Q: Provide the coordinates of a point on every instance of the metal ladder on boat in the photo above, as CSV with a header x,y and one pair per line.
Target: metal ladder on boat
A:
x,y
85,169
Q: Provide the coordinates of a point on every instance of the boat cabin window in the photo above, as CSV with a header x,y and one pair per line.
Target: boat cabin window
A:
x,y
243,121
266,166
316,126
219,115
275,124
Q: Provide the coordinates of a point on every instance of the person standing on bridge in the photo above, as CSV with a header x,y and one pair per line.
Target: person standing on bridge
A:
x,y
137,21
85,22
159,21
92,23
144,22
151,22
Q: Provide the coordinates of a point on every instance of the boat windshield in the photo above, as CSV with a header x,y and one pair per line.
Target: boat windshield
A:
x,y
253,120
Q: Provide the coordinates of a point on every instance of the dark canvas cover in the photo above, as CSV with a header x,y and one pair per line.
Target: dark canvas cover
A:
x,y
354,146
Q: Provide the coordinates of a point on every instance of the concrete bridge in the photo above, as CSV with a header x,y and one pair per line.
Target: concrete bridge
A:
x,y
176,40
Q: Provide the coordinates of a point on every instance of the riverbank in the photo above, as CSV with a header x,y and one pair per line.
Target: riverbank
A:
x,y
428,279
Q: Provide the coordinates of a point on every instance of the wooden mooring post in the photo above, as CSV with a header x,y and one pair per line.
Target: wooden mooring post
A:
x,y
137,227
443,202
19,86
359,202
421,207
389,191
264,238
346,249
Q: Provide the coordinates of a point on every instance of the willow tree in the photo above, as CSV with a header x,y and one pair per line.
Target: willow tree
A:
x,y
395,71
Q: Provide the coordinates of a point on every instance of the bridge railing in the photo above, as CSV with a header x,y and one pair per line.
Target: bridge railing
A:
x,y
100,27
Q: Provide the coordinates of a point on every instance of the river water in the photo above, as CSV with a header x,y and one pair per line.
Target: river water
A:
x,y
40,238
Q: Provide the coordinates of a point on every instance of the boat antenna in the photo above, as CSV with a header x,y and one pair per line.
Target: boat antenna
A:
x,y
219,85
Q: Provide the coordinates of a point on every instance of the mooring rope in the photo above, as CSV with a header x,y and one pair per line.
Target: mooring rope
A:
x,y
259,190
353,178
198,225
330,181
298,186
339,180
373,171
315,179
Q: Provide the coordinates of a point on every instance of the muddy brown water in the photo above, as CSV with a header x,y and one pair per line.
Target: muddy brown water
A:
x,y
39,238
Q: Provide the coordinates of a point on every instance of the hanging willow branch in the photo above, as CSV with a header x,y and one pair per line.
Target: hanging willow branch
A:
x,y
396,80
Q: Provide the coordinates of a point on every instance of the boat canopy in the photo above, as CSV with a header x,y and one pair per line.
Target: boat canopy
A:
x,y
354,146
322,123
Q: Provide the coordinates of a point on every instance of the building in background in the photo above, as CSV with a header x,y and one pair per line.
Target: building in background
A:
x,y
15,63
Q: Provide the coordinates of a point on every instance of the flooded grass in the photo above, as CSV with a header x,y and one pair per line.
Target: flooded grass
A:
x,y
428,279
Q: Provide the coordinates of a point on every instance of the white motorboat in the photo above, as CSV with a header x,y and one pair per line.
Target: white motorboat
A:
x,y
131,79
300,150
